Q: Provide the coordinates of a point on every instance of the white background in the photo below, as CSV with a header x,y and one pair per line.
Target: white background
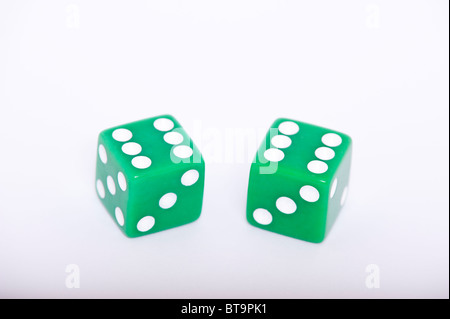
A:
x,y
376,70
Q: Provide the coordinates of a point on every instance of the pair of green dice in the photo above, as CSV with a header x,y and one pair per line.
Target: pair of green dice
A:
x,y
150,177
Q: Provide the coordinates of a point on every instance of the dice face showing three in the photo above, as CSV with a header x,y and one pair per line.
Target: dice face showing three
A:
x,y
299,180
149,175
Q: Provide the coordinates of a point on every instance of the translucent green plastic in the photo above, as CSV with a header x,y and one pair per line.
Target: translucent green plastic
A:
x,y
303,170
135,182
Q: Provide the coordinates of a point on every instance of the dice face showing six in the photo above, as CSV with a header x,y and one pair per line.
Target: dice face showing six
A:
x,y
150,175
299,180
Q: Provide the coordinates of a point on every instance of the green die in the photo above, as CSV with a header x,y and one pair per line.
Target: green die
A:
x,y
150,175
299,180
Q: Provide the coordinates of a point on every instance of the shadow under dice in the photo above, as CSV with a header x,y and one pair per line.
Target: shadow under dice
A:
x,y
150,175
299,180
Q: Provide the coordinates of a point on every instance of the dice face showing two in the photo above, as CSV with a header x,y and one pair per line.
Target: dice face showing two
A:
x,y
149,175
299,180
